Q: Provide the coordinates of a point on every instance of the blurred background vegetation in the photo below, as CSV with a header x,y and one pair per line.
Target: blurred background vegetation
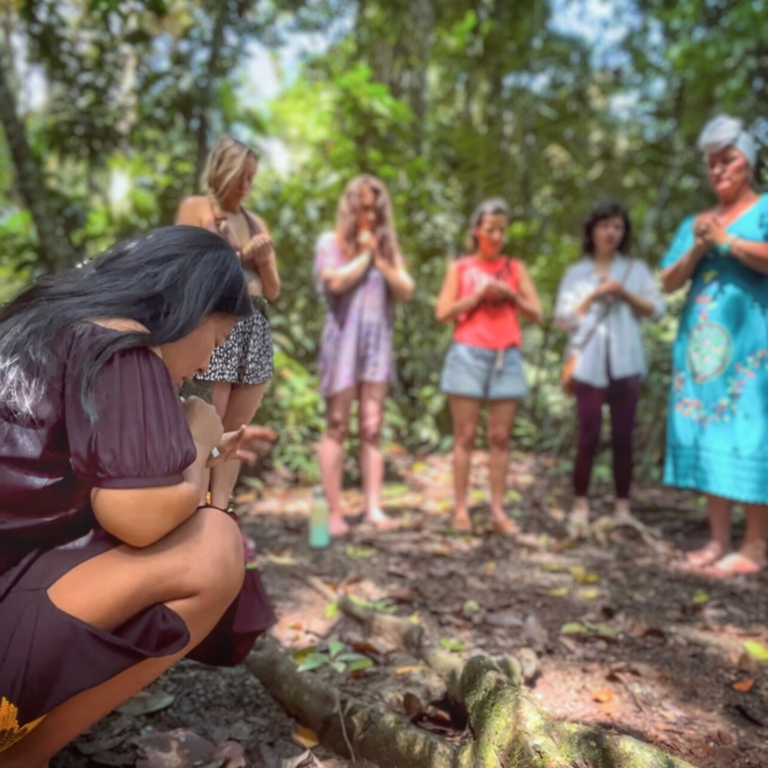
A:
x,y
110,106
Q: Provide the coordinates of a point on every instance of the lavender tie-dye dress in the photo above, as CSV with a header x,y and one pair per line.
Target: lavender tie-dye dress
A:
x,y
356,344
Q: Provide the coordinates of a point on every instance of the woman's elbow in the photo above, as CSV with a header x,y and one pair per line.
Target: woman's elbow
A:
x,y
407,292
271,293
670,283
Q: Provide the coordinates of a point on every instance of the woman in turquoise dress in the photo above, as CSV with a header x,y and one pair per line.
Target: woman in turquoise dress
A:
x,y
717,430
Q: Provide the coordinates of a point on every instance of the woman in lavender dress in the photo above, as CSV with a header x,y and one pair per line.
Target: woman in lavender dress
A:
x,y
361,272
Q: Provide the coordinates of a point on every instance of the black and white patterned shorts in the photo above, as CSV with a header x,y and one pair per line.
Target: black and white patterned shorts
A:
x,y
246,356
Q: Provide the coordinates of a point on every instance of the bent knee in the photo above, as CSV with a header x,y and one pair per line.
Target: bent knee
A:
x,y
216,555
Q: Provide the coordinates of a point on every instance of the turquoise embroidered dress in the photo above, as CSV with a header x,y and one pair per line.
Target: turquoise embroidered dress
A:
x,y
717,427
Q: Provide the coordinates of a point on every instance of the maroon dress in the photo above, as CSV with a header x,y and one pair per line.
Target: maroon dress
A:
x,y
49,463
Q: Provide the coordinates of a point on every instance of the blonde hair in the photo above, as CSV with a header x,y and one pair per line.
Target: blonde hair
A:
x,y
226,160
346,220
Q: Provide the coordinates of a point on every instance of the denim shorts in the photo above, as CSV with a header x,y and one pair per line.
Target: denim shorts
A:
x,y
485,374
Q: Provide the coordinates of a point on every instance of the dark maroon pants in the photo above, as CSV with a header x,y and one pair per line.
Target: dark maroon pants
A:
x,y
621,396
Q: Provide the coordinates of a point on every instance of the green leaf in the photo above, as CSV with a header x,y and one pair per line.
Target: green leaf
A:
x,y
756,650
360,664
382,606
573,628
360,553
700,597
351,656
339,666
471,606
556,592
332,610
452,644
335,647
302,653
313,661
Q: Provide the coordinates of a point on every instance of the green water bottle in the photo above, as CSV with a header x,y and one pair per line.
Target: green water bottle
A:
x,y
319,533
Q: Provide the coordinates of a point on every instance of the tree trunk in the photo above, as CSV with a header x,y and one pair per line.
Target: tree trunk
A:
x,y
206,91
56,249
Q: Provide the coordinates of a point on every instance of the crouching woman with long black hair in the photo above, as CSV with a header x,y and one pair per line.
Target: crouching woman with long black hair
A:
x,y
109,570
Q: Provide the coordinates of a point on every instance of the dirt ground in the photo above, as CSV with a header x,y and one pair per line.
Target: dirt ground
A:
x,y
625,636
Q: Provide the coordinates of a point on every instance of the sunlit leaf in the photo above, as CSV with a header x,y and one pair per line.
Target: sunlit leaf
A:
x,y
555,592
573,628
756,650
453,644
360,553
313,661
305,738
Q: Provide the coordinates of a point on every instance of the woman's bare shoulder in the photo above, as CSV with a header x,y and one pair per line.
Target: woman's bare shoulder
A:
x,y
194,209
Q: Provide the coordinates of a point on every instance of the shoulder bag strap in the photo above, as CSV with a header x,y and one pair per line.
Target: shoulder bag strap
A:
x,y
603,315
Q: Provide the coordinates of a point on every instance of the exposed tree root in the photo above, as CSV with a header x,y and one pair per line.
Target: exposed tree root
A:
x,y
508,729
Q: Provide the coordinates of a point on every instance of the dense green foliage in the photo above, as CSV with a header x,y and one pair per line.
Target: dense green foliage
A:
x,y
448,102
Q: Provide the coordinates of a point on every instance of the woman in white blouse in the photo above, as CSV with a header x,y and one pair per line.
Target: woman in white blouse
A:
x,y
600,303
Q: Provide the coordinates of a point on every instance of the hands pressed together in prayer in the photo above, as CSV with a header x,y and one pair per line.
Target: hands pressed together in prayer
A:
x,y
494,290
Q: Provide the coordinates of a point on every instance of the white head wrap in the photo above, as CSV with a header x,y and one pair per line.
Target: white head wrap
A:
x,y
725,131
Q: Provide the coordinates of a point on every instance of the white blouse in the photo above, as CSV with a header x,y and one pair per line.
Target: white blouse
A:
x,y
617,343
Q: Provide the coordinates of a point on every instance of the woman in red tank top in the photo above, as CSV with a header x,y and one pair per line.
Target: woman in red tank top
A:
x,y
484,294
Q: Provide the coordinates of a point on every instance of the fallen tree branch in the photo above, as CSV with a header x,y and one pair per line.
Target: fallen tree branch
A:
x,y
509,729
374,734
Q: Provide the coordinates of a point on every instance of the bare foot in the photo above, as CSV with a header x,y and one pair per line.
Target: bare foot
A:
x,y
504,525
622,510
337,526
461,522
707,555
748,560
380,521
578,520
736,564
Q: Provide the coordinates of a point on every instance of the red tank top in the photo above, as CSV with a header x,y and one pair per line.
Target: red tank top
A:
x,y
491,324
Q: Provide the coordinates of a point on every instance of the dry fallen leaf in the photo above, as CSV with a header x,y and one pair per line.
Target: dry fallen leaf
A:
x,y
604,695
744,686
306,738
410,668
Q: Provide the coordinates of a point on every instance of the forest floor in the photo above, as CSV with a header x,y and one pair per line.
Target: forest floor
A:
x,y
649,649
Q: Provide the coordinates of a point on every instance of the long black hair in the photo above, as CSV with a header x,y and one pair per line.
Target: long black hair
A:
x,y
169,281
606,210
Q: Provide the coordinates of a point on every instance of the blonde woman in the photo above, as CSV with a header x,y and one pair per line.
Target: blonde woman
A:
x,y
361,272
241,367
